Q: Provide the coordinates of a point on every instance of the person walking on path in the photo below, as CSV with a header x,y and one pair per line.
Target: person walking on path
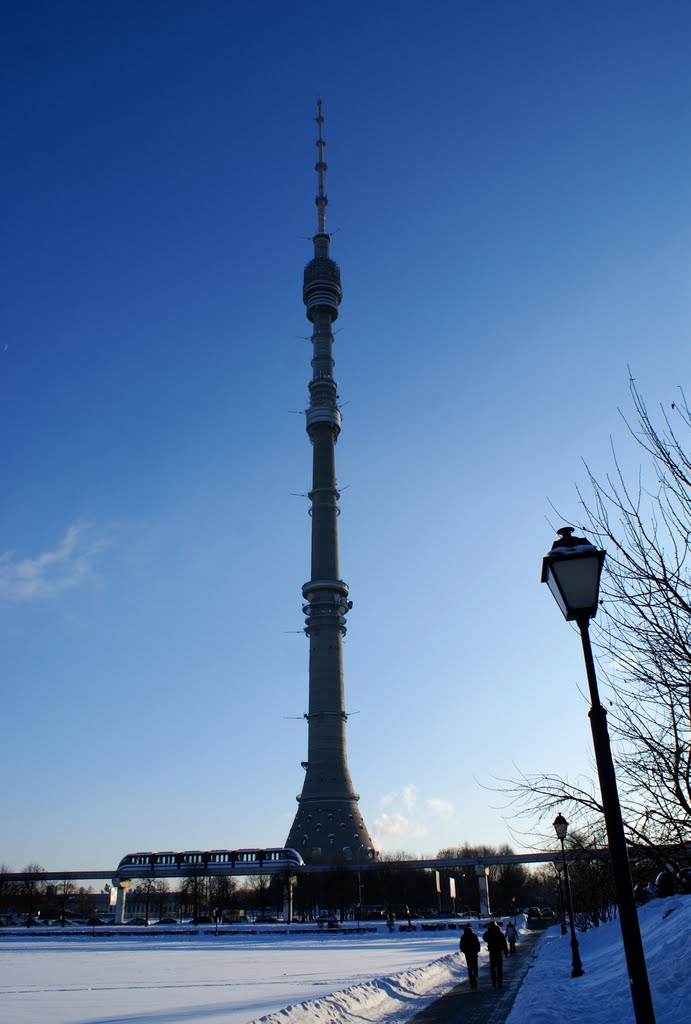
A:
x,y
470,947
511,937
496,944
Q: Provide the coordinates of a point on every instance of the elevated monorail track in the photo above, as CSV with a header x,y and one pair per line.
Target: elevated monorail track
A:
x,y
132,871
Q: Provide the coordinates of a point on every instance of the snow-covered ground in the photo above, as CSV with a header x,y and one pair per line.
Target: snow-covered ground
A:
x,y
196,979
319,978
549,995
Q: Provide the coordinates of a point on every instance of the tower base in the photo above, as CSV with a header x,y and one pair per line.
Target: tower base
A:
x,y
330,831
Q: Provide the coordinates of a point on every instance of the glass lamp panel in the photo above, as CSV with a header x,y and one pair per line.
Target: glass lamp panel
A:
x,y
577,580
561,826
553,585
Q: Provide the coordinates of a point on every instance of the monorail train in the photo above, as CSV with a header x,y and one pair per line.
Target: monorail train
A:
x,y
170,863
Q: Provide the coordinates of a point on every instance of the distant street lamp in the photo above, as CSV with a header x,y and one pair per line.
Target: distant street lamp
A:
x,y
560,827
572,572
291,882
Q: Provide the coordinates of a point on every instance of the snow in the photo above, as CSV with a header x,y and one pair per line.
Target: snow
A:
x,y
199,978
322,978
550,994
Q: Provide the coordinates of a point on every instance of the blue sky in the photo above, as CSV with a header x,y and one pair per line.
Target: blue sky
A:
x,y
509,196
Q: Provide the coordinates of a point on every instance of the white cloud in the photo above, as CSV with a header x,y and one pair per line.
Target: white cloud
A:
x,y
405,797
400,818
50,573
409,796
397,826
444,809
406,815
392,824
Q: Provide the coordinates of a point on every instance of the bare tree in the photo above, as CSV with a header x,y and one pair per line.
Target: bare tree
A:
x,y
147,887
643,638
162,890
86,905
63,891
221,890
8,889
32,888
194,893
645,626
257,890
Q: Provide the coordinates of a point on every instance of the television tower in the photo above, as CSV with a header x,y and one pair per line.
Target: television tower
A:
x,y
328,826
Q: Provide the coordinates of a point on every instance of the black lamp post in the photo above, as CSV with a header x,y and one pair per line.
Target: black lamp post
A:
x,y
560,827
560,894
291,882
572,572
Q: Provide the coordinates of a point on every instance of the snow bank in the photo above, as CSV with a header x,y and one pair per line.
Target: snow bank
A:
x,y
400,996
549,995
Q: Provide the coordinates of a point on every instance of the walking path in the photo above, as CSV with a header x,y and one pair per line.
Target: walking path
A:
x,y
483,1005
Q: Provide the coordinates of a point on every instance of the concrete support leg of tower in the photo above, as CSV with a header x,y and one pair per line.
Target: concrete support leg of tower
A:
x,y
482,873
122,886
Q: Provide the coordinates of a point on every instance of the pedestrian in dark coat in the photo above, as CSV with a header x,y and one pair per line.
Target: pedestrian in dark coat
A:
x,y
496,944
470,947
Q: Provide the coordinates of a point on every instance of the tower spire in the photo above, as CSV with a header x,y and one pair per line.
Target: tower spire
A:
x,y
320,168
328,826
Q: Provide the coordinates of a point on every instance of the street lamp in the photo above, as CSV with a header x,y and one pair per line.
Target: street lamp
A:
x,y
560,827
291,882
572,572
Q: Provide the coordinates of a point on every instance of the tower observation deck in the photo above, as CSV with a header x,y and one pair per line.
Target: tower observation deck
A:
x,y
328,827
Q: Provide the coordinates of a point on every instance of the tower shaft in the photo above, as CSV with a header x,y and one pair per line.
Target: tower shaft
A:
x,y
328,826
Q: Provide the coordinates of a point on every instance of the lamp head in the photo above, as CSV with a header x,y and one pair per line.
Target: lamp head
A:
x,y
561,826
572,572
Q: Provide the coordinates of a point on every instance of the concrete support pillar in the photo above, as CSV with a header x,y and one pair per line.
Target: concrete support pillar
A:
x,y
482,873
122,886
288,891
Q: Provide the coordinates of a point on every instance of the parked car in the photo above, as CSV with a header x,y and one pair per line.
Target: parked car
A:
x,y
534,919
168,920
548,915
684,877
642,892
94,921
667,884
